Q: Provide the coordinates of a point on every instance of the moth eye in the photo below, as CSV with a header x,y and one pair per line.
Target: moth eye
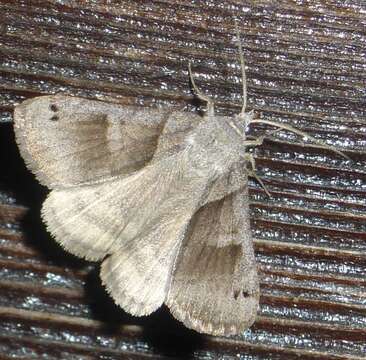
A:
x,y
53,107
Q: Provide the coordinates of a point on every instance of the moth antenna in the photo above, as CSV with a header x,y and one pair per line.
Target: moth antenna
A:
x,y
199,94
320,143
242,66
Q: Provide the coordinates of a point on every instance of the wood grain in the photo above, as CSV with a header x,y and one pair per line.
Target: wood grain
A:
x,y
305,66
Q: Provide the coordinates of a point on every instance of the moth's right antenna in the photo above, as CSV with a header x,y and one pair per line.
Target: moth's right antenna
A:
x,y
242,65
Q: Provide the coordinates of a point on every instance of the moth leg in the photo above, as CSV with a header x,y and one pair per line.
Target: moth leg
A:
x,y
199,94
250,158
256,142
259,140
317,143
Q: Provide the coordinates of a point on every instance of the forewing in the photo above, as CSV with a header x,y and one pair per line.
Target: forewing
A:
x,y
68,141
215,286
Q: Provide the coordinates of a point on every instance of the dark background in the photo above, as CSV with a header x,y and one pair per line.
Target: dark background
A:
x,y
305,66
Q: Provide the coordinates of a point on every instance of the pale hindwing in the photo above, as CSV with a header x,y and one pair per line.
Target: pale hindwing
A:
x,y
67,141
215,286
139,219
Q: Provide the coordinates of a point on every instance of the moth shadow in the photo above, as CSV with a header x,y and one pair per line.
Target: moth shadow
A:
x,y
17,182
170,337
159,330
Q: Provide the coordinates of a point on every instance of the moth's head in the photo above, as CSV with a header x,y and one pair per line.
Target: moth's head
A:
x,y
230,132
223,138
242,121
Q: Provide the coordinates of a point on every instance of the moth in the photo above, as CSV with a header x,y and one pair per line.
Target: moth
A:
x,y
159,196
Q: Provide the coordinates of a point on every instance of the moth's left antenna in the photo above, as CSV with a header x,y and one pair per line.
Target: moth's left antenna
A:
x,y
242,65
199,94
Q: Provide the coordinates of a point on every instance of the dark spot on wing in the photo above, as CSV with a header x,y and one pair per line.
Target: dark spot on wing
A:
x,y
53,107
245,294
236,294
54,118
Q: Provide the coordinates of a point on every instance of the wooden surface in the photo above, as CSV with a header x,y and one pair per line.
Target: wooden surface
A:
x,y
305,66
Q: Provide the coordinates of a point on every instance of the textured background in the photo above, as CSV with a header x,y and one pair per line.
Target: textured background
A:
x,y
305,66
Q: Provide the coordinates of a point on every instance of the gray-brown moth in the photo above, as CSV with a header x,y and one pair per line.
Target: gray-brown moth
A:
x,y
159,196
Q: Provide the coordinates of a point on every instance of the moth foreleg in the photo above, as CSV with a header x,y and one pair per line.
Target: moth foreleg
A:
x,y
252,173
